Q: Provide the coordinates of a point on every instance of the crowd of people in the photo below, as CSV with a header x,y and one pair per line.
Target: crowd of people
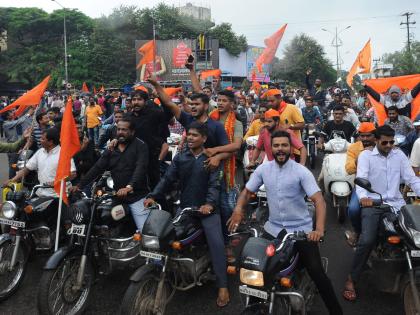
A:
x,y
127,134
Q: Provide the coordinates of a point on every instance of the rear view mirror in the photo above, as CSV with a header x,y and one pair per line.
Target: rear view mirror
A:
x,y
364,183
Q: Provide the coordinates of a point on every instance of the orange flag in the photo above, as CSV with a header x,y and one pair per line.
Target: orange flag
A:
x,y
32,97
216,73
85,88
148,52
94,90
172,91
362,64
102,90
271,43
70,145
405,82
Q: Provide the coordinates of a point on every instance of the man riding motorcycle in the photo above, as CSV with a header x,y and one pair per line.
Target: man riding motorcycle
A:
x,y
385,167
288,209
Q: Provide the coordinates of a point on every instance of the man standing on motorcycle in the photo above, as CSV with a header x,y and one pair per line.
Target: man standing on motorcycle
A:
x,y
288,210
271,124
367,142
200,187
385,167
128,165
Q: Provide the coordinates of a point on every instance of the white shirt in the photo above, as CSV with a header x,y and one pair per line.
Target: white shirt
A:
x,y
350,116
300,103
415,154
45,163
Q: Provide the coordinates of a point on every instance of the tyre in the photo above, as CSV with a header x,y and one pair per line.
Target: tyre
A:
x,y
140,296
409,304
312,161
11,279
57,295
341,214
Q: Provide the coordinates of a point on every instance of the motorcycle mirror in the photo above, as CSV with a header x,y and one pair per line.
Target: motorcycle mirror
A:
x,y
110,183
364,183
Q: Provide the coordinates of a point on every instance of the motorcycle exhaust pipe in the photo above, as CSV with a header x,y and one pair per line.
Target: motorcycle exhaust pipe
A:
x,y
15,252
414,290
80,273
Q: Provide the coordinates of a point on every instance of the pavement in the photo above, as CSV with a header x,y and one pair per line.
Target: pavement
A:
x,y
108,291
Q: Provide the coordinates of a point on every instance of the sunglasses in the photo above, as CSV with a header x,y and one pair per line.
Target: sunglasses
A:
x,y
391,142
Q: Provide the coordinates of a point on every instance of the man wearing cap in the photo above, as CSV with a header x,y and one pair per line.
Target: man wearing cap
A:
x,y
271,124
412,136
401,124
394,97
366,142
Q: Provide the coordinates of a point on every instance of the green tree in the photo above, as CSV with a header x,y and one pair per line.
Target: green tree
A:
x,y
302,53
233,43
404,62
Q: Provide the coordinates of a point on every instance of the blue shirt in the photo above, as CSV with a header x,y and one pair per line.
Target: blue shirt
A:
x,y
385,174
286,187
216,131
310,116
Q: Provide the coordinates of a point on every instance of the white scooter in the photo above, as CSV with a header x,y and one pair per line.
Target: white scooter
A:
x,y
337,182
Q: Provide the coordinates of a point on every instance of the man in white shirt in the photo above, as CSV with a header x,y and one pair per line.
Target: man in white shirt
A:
x,y
45,162
415,156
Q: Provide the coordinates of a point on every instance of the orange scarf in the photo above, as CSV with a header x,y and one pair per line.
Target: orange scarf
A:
x,y
229,169
282,107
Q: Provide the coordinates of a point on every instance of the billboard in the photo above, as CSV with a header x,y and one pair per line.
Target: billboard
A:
x,y
171,56
252,55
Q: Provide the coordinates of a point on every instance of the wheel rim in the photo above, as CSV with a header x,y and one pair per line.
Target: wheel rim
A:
x,y
10,279
146,294
62,298
409,305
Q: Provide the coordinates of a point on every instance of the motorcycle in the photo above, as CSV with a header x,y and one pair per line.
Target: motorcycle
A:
x,y
396,258
337,182
311,140
177,258
101,240
271,280
29,225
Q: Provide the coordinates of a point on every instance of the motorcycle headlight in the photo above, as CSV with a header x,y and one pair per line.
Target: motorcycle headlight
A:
x,y
252,277
416,237
9,209
110,183
151,242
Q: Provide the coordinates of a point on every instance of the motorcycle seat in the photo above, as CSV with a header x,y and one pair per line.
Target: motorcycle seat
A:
x,y
411,214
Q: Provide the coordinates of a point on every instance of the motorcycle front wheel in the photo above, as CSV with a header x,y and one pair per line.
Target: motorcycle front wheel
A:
x,y
140,297
409,304
11,279
57,293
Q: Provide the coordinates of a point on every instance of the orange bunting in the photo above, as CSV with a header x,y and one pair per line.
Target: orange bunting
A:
x,y
147,51
362,64
85,88
272,44
30,98
70,145
215,73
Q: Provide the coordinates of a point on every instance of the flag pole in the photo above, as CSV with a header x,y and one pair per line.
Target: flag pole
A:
x,y
60,205
154,50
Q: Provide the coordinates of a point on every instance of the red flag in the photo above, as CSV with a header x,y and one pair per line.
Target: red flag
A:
x,y
32,97
147,51
405,82
85,88
102,90
271,43
70,145
216,73
362,64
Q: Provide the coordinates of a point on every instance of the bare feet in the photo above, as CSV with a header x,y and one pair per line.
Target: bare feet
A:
x,y
223,297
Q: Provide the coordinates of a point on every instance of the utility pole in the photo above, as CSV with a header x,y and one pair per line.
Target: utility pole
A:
x,y
407,24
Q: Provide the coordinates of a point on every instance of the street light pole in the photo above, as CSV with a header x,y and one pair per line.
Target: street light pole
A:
x,y
66,73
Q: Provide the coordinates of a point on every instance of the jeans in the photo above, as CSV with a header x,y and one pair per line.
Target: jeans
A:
x,y
354,212
367,240
94,134
227,204
310,258
139,213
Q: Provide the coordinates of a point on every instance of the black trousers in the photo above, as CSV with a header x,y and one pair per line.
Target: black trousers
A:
x,y
153,169
310,258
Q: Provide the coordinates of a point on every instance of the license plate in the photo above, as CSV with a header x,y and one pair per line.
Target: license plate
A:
x,y
262,194
415,253
77,229
151,255
411,194
253,292
13,223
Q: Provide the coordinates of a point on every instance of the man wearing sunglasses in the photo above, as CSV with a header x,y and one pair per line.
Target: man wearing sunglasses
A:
x,y
257,124
385,167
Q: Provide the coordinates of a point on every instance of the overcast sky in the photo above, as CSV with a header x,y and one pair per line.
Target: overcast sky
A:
x,y
375,19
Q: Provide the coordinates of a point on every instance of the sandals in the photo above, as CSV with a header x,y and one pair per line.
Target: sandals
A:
x,y
223,299
349,294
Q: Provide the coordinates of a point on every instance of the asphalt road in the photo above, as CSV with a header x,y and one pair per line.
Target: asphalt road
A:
x,y
108,291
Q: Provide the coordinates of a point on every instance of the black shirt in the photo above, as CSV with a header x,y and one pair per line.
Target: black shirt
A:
x,y
347,127
85,159
127,168
198,185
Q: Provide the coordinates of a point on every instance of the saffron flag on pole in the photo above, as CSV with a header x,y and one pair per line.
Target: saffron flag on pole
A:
x,y
85,88
94,90
215,73
30,98
382,85
362,64
70,145
271,43
147,51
